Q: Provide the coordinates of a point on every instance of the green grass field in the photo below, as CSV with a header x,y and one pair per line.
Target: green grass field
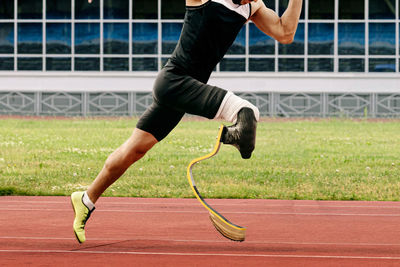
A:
x,y
331,159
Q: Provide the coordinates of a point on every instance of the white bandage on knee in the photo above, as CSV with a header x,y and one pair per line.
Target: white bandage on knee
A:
x,y
231,105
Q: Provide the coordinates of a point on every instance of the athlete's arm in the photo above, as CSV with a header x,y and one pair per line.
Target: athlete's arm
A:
x,y
282,28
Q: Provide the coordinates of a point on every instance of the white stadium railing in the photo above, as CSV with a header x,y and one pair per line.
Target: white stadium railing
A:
x,y
286,95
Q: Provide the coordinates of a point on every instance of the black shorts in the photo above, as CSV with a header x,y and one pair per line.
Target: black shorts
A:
x,y
175,94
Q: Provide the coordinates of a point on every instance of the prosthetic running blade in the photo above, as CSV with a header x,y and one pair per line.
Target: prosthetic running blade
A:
x,y
226,228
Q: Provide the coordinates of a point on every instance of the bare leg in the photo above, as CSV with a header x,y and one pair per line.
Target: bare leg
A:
x,y
119,161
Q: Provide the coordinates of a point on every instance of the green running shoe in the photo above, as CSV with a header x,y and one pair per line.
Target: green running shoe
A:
x,y
82,214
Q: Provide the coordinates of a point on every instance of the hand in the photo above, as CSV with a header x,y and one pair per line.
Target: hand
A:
x,y
90,1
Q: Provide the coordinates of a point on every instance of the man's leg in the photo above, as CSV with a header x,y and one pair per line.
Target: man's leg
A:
x,y
119,161
116,164
154,125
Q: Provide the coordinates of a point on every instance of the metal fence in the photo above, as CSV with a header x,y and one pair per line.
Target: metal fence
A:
x,y
272,104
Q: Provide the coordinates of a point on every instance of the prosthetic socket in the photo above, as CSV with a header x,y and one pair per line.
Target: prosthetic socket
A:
x,y
245,115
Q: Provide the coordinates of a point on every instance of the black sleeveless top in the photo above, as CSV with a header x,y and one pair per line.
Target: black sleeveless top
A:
x,y
208,32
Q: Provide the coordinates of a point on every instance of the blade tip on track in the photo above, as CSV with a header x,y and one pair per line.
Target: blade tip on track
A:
x,y
228,231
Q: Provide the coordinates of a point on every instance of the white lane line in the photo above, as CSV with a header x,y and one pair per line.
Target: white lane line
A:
x,y
206,241
225,212
195,204
204,254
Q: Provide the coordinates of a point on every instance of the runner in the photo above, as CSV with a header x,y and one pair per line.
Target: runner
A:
x,y
210,27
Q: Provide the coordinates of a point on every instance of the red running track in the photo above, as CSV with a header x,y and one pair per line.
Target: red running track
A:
x,y
37,231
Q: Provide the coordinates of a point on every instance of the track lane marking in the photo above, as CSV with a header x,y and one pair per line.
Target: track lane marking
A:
x,y
195,204
225,212
204,241
204,254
